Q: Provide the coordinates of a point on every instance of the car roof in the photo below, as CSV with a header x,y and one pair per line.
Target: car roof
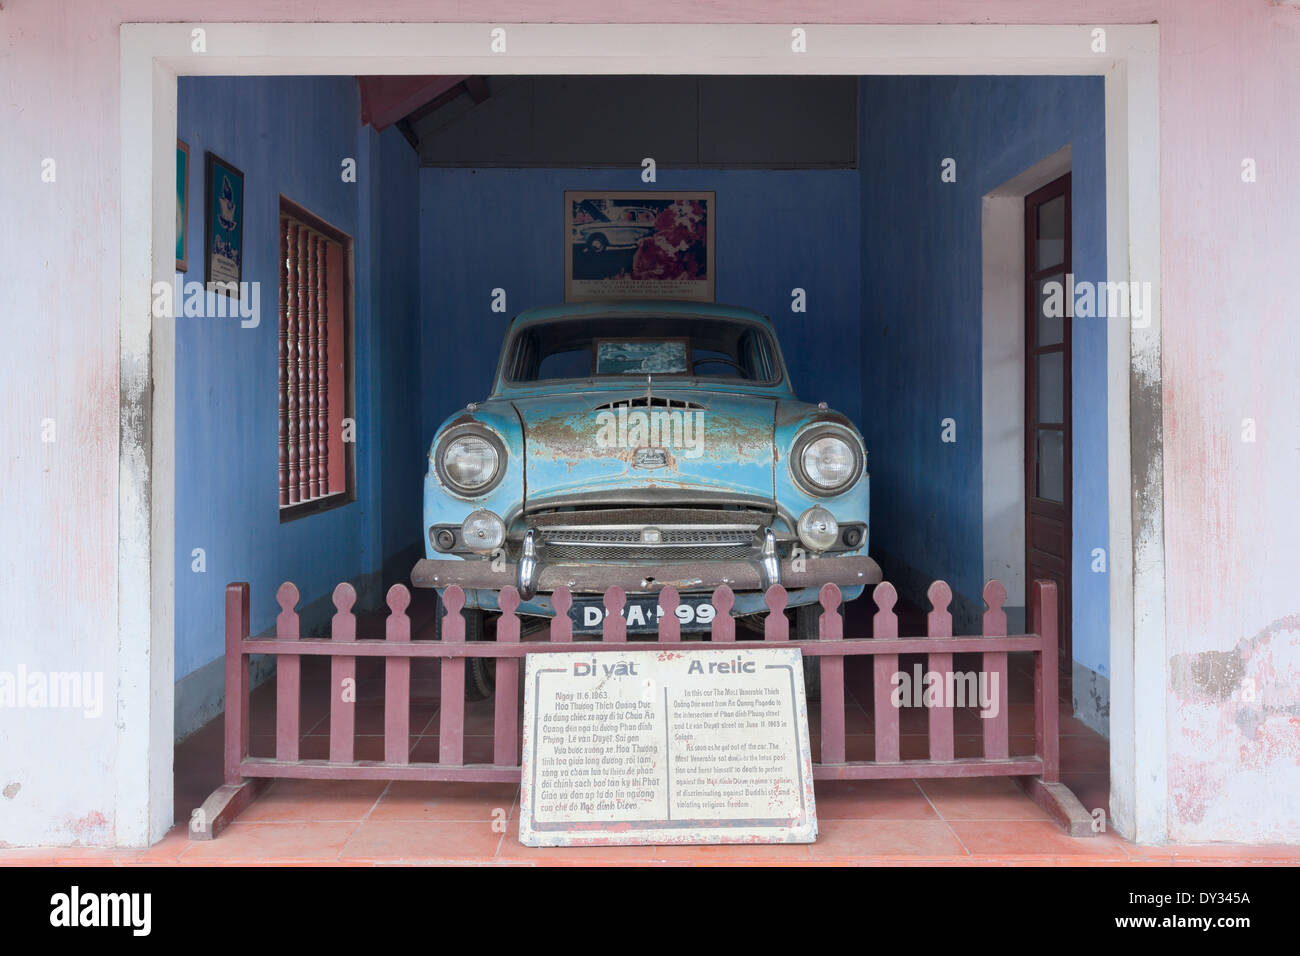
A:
x,y
639,307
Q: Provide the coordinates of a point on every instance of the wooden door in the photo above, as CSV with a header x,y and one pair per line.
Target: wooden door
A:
x,y
1047,402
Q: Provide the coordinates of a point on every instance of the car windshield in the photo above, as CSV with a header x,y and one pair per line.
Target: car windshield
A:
x,y
638,345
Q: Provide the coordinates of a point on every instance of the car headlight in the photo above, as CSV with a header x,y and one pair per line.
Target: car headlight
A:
x,y
827,462
470,463
483,532
818,529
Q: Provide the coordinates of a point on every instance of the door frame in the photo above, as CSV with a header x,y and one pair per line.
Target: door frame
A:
x,y
152,56
1065,669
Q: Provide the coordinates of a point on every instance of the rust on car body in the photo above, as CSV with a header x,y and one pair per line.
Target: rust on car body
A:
x,y
661,434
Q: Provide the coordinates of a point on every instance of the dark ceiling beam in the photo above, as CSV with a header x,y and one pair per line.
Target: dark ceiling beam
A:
x,y
404,127
477,88
387,99
402,101
436,103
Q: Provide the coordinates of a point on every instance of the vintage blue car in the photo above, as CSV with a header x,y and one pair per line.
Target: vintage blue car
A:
x,y
643,444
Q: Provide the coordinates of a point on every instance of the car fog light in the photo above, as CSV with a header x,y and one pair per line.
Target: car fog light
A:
x,y
818,529
483,532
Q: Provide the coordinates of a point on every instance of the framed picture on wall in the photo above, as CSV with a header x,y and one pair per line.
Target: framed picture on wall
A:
x,y
223,226
638,245
182,203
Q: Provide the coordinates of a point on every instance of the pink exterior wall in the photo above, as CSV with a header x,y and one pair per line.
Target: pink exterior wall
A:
x,y
1230,85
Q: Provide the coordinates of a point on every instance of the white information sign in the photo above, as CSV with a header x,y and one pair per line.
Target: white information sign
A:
x,y
652,746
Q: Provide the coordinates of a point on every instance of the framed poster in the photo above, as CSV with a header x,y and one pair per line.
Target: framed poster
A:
x,y
182,203
223,226
638,245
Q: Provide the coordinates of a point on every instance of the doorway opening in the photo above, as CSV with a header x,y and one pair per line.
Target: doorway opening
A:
x,y
1048,438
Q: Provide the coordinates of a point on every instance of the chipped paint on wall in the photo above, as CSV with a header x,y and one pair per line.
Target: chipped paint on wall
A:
x,y
88,829
1246,702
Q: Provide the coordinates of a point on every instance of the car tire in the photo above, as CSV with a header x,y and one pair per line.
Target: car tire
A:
x,y
596,244
480,672
805,629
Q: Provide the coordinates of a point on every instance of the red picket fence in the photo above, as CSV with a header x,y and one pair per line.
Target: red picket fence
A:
x,y
1038,774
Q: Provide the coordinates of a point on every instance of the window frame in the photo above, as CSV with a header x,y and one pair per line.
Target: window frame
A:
x,y
338,499
508,365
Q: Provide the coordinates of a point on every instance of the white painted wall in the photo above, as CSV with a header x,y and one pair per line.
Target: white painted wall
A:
x,y
1002,393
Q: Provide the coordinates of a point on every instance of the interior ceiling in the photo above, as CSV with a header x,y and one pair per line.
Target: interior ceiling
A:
x,y
764,122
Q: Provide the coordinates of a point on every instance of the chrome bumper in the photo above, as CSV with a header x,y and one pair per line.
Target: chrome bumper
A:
x,y
845,571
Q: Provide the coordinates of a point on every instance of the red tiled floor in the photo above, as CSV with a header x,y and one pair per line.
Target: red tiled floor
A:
x,y
854,840
298,801
981,798
168,850
784,853
421,840
1092,789
446,802
370,717
1215,853
477,749
512,851
1026,839
301,841
1085,752
317,747
873,800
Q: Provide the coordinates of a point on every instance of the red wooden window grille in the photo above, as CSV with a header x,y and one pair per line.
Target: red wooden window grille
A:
x,y
314,467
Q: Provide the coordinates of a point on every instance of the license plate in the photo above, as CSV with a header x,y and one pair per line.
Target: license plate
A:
x,y
642,614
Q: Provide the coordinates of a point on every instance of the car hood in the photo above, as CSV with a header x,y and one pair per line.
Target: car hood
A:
x,y
609,440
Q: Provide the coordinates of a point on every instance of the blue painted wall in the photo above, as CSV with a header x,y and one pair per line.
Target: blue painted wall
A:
x,y
921,284
387,279
289,135
503,228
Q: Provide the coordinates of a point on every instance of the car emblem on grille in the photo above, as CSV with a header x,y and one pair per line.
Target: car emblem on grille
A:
x,y
650,458
651,536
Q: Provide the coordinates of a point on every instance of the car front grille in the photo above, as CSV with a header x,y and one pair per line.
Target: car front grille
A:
x,y
593,553
647,542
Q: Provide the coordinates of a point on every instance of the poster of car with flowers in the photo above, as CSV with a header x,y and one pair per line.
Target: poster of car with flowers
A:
x,y
638,245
